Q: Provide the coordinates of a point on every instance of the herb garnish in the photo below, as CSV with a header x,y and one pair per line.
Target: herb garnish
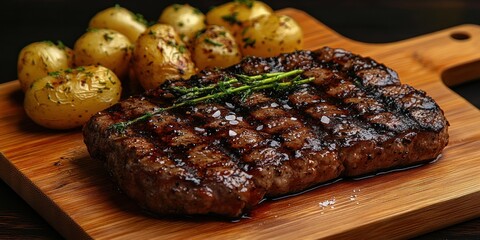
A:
x,y
80,69
49,85
248,42
177,6
211,42
61,45
242,85
181,48
107,37
232,19
196,11
54,74
141,19
248,3
91,29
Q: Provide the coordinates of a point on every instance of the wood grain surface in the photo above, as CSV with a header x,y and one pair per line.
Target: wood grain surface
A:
x,y
53,172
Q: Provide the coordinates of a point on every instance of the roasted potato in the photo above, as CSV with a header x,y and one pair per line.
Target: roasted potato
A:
x,y
234,14
215,47
186,20
270,35
106,47
37,59
160,55
67,99
120,19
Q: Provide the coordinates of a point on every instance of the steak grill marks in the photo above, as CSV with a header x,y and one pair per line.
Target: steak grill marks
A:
x,y
224,157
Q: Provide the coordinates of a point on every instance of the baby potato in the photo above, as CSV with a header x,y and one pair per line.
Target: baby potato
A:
x,y
234,14
186,20
215,47
160,55
67,99
270,35
37,59
120,19
106,47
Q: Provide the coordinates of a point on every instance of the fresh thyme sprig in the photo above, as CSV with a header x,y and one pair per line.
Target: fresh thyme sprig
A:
x,y
256,80
240,84
240,78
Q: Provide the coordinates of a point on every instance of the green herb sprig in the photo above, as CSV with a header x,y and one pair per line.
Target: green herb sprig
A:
x,y
248,3
240,84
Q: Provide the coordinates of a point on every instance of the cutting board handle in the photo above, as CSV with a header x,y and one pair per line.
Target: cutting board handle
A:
x,y
453,53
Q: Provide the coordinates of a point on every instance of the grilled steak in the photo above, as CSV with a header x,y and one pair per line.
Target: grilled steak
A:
x,y
224,157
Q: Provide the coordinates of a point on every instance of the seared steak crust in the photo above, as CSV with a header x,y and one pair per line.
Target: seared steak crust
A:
x,y
224,157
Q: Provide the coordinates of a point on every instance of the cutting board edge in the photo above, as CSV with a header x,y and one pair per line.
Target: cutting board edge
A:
x,y
411,221
44,206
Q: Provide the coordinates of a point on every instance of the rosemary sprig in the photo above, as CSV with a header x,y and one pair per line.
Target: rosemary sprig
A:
x,y
240,78
241,84
190,93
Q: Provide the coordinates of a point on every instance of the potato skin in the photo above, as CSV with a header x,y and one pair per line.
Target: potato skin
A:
x,y
160,55
106,47
215,47
186,20
37,59
67,99
234,15
120,19
270,35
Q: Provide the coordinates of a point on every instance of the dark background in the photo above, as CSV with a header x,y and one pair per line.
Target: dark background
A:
x,y
26,21
375,21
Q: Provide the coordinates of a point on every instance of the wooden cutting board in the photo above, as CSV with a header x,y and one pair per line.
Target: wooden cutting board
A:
x,y
53,172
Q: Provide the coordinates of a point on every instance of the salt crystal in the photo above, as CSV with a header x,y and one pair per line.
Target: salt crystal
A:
x,y
230,117
326,203
199,129
260,127
286,106
240,118
232,133
216,114
274,143
274,105
333,146
325,120
293,118
233,122
229,105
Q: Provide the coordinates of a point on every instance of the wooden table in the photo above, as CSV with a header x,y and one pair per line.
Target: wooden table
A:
x,y
18,220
